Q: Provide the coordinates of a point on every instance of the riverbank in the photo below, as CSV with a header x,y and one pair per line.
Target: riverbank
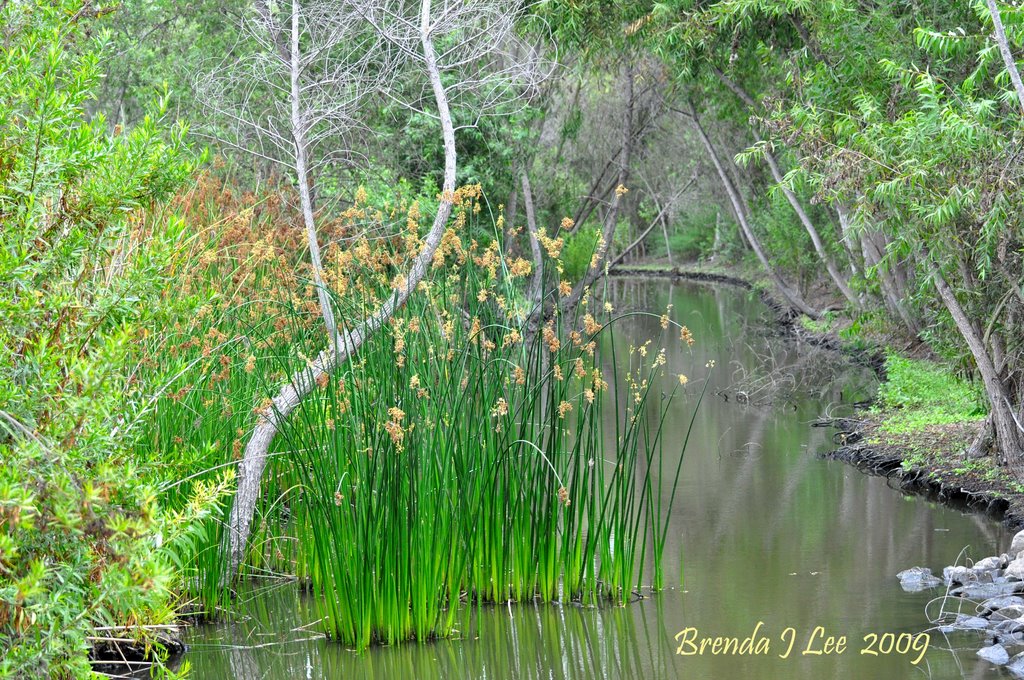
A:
x,y
932,462
917,433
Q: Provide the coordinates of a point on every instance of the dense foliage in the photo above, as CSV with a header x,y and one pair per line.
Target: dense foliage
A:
x,y
82,278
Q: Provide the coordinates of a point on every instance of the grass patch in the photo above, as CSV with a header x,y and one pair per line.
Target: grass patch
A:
x,y
918,394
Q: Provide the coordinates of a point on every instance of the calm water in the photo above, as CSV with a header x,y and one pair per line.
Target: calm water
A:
x,y
763,530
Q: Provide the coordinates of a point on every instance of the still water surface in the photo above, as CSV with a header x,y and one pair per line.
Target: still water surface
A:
x,y
763,531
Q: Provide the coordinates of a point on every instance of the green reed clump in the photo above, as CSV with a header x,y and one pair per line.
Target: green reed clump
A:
x,y
232,309
462,456
474,449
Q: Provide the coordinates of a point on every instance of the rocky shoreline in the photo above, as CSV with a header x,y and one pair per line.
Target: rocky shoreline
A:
x,y
985,596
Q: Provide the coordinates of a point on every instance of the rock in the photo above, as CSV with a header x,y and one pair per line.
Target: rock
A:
x,y
984,591
1016,665
988,564
917,578
958,575
995,654
1016,545
993,603
1011,627
1015,569
1010,613
971,622
913,574
923,584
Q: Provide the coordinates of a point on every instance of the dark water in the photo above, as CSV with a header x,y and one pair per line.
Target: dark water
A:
x,y
763,531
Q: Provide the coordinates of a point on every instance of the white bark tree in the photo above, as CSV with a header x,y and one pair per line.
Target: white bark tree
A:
x,y
309,83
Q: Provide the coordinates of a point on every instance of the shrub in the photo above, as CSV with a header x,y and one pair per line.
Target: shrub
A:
x,y
81,278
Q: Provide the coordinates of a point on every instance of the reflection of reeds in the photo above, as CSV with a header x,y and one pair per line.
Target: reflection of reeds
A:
x,y
458,456
528,641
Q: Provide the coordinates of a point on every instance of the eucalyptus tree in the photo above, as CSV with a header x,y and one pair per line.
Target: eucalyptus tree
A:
x,y
312,65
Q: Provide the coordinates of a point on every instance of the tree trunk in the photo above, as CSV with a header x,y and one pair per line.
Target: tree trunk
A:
x,y
303,382
788,294
608,232
716,247
1007,434
847,236
536,293
592,199
640,239
812,231
298,125
794,202
1006,52
874,254
512,209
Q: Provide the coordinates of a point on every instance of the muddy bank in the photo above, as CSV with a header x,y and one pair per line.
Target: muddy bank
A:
x,y
931,463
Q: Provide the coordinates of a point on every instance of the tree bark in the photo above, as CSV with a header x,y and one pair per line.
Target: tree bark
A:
x,y
1004,49
892,292
847,236
537,283
1007,434
303,382
789,295
812,231
794,202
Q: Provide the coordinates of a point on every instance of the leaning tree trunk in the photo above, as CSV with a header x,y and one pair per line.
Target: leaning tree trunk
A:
x,y
650,227
893,294
608,233
794,202
791,296
812,231
1006,52
303,382
1007,433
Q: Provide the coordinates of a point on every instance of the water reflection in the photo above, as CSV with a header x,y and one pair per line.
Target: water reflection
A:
x,y
763,530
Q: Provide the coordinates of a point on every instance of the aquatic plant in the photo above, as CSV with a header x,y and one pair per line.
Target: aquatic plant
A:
x,y
480,448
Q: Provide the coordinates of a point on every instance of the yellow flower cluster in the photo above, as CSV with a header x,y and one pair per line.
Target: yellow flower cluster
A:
x,y
394,427
553,246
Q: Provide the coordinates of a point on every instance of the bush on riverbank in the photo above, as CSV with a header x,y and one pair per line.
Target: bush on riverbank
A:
x,y
85,254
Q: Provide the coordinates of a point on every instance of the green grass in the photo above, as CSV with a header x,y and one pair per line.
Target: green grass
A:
x,y
917,394
821,325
